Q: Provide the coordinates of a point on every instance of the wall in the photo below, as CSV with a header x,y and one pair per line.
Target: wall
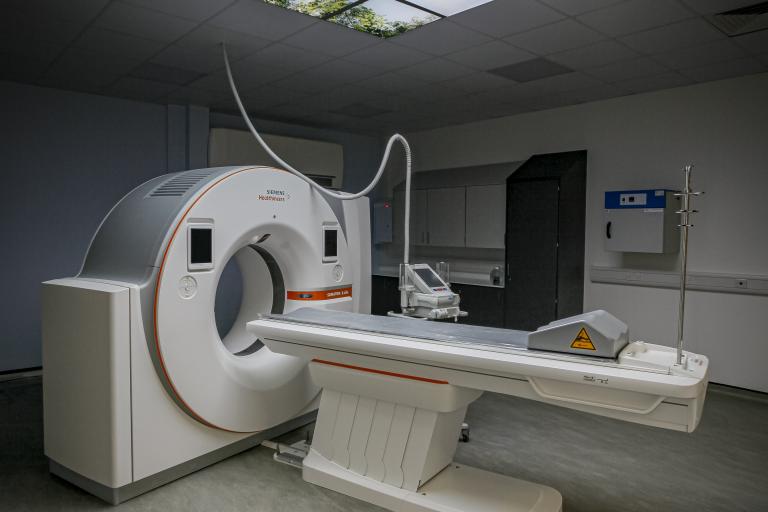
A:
x,y
68,157
643,141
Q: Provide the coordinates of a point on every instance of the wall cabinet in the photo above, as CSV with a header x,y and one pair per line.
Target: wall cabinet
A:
x,y
485,216
471,216
419,227
446,213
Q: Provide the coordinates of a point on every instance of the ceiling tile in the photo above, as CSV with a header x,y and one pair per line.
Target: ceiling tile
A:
x,y
361,110
490,55
330,39
477,82
391,83
199,61
165,74
270,95
37,50
441,37
77,61
436,70
654,83
327,76
285,57
701,55
626,69
141,22
556,37
595,93
575,7
432,92
190,96
672,37
634,16
195,10
79,11
21,67
756,42
503,18
262,20
716,6
598,54
245,78
207,38
562,83
18,29
387,56
109,42
342,95
723,70
93,81
140,89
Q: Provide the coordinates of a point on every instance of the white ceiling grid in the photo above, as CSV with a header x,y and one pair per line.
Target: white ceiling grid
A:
x,y
299,69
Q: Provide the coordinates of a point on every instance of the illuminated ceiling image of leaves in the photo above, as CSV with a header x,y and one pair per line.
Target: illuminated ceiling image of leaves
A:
x,y
381,18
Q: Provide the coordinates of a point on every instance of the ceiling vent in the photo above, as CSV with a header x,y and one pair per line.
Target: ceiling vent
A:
x,y
743,20
530,70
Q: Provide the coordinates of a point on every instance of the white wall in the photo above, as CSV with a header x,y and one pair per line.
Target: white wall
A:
x,y
643,141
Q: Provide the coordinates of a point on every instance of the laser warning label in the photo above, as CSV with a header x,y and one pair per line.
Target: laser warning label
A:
x,y
583,341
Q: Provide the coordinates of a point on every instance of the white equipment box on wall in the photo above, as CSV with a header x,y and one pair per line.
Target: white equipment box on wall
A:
x,y
382,222
641,221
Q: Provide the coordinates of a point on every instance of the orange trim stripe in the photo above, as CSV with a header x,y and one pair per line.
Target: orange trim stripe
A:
x,y
381,372
336,293
157,293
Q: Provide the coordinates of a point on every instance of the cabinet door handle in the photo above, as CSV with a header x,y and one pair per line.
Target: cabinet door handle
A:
x,y
608,230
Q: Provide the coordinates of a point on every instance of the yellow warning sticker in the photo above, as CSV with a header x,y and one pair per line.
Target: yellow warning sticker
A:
x,y
583,341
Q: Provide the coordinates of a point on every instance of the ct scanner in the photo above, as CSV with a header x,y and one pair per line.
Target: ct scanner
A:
x,y
139,388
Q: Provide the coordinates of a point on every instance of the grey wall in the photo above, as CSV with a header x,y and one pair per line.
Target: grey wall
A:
x,y
67,158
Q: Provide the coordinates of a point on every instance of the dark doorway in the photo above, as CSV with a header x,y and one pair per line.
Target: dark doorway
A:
x,y
545,240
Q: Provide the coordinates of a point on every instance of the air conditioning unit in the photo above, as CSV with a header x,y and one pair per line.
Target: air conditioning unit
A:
x,y
321,161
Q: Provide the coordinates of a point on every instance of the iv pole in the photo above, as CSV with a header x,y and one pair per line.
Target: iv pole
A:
x,y
684,225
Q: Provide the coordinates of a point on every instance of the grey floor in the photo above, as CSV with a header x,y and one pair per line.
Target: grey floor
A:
x,y
597,464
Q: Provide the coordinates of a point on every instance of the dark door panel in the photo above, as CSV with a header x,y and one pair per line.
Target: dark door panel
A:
x,y
532,234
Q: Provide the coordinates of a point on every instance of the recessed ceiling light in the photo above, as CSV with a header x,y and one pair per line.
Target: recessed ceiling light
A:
x,y
382,18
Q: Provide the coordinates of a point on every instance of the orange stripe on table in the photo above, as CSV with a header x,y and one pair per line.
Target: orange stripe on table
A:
x,y
381,372
336,293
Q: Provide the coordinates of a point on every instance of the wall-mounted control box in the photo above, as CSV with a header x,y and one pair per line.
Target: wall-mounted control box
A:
x,y
382,222
641,221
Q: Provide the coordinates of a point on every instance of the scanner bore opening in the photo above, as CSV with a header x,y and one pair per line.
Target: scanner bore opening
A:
x,y
251,283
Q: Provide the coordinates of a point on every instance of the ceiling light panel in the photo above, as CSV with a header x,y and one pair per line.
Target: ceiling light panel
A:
x,y
448,7
382,18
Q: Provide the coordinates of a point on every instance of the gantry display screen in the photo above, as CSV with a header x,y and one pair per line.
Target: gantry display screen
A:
x,y
331,244
201,246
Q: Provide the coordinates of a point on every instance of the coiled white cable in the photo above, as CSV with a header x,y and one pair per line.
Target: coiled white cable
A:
x,y
335,195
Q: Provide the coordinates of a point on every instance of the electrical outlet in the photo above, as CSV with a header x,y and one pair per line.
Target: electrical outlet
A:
x,y
741,283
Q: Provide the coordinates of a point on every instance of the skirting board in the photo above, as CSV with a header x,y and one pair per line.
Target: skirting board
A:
x,y
702,281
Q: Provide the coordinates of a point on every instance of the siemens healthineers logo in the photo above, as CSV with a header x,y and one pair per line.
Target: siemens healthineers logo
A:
x,y
272,194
